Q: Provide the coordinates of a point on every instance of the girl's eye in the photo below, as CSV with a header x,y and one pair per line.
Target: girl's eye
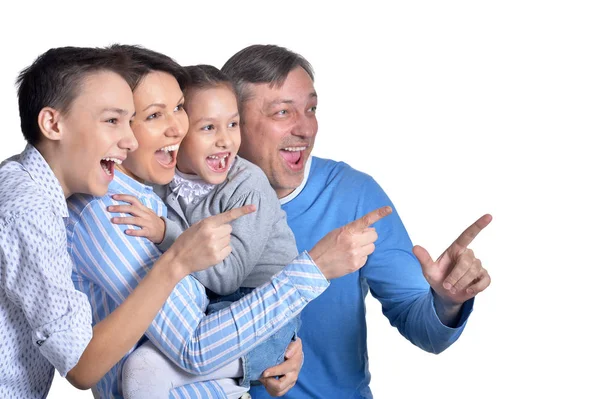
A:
x,y
208,127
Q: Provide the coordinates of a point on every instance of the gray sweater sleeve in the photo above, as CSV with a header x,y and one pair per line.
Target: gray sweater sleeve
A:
x,y
249,237
172,231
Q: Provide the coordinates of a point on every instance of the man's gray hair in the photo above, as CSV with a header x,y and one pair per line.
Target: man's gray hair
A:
x,y
262,64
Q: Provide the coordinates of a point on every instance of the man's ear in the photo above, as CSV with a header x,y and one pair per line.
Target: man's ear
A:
x,y
48,123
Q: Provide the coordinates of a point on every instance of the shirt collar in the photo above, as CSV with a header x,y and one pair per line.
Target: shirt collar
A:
x,y
298,189
41,173
124,184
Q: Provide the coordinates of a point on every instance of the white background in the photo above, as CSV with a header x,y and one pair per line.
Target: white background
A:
x,y
458,109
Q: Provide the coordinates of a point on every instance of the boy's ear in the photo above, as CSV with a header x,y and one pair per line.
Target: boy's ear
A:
x,y
48,123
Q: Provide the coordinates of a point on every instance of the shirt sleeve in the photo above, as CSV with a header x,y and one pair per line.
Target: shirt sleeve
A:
x,y
172,231
249,238
37,278
197,343
395,278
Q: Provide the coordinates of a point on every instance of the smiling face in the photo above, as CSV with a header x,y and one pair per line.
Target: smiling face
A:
x,y
213,139
159,126
95,134
279,127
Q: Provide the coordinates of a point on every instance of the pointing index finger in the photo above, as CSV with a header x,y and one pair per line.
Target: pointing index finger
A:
x,y
472,231
232,214
370,218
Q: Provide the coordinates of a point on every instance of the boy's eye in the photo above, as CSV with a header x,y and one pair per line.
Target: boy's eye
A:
x,y
208,127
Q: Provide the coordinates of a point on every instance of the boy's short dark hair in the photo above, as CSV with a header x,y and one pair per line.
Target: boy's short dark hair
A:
x,y
262,64
147,61
55,78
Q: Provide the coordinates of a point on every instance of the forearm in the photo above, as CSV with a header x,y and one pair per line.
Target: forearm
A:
x,y
448,313
118,333
201,344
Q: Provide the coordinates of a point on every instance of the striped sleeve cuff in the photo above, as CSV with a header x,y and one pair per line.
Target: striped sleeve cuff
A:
x,y
306,277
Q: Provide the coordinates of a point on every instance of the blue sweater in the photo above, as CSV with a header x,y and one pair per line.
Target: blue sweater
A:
x,y
333,326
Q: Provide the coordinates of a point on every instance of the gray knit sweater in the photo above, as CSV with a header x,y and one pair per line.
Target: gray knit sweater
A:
x,y
262,242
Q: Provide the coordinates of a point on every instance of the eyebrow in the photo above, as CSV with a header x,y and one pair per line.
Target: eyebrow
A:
x,y
212,119
119,111
161,105
278,101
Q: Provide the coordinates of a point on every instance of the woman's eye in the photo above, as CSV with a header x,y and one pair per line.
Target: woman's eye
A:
x,y
179,107
233,124
208,127
112,121
152,116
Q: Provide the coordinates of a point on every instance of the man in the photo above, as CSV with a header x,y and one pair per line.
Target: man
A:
x,y
429,302
75,106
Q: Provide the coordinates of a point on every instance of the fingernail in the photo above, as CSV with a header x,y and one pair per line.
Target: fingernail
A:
x,y
110,208
453,290
447,286
470,291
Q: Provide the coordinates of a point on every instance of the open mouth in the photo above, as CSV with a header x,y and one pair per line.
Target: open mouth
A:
x,y
167,156
293,157
219,163
108,165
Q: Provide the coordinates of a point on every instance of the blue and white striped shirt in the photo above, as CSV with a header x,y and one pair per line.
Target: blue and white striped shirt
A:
x,y
108,265
45,323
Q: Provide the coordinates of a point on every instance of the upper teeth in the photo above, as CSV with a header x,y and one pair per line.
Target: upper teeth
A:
x,y
295,148
115,160
170,148
222,160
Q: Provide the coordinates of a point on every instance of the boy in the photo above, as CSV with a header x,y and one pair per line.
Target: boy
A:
x,y
75,105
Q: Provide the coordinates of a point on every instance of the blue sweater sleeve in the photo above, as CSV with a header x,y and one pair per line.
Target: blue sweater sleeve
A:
x,y
394,277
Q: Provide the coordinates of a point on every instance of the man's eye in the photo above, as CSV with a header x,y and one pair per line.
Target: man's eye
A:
x,y
282,112
313,109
